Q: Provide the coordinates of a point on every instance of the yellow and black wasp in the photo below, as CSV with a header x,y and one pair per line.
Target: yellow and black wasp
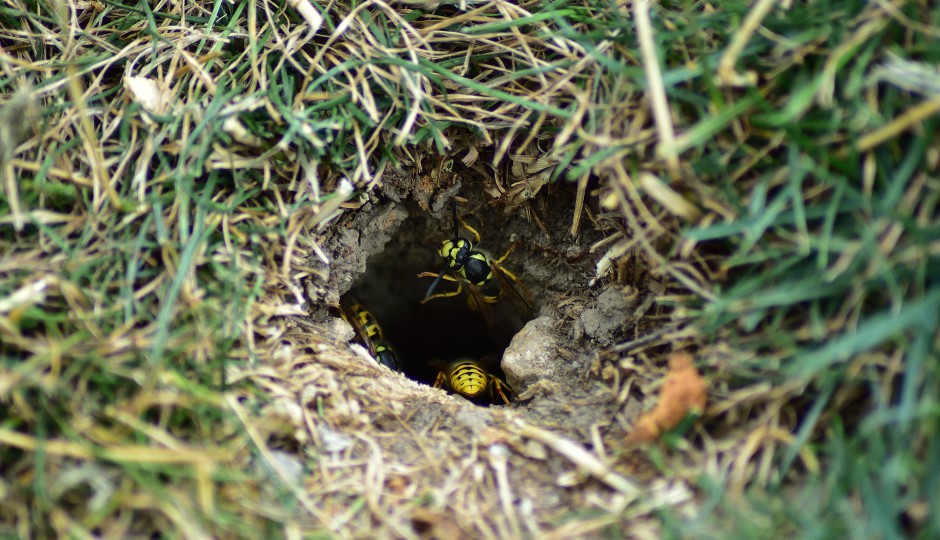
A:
x,y
487,281
370,335
470,379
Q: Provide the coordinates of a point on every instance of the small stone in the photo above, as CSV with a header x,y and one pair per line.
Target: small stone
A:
x,y
535,450
532,355
341,329
609,318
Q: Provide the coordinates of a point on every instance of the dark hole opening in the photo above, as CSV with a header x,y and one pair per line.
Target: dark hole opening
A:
x,y
444,328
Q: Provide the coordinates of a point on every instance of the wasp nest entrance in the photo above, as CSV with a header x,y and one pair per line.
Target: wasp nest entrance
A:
x,y
544,347
428,336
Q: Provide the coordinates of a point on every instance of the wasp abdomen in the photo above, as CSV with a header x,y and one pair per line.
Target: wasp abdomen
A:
x,y
386,356
468,379
369,333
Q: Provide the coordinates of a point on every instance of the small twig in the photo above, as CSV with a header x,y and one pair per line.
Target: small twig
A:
x,y
580,457
641,341
579,203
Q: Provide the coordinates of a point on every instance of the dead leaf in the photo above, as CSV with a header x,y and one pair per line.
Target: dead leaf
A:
x,y
683,392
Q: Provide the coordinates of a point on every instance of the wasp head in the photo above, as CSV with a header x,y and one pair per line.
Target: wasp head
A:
x,y
455,252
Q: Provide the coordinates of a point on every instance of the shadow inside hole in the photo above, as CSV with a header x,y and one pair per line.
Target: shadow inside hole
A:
x,y
444,328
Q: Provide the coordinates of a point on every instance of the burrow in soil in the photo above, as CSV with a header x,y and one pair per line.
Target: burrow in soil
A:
x,y
379,249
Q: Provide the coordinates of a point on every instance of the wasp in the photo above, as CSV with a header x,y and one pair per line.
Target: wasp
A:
x,y
370,334
470,379
487,281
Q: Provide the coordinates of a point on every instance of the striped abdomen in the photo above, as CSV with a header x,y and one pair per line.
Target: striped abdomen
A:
x,y
468,379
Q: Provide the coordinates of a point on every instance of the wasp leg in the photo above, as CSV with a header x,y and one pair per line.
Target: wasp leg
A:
x,y
445,295
505,255
476,235
502,269
509,274
442,295
439,381
498,388
432,274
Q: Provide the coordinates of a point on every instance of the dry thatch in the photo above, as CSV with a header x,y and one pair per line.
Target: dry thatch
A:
x,y
178,179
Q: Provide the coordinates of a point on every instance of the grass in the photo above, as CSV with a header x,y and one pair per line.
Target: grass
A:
x,y
778,172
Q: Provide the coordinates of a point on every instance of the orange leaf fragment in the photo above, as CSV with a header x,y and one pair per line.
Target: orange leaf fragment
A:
x,y
683,392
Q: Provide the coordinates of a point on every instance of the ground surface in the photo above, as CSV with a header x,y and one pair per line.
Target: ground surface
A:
x,y
720,208
375,256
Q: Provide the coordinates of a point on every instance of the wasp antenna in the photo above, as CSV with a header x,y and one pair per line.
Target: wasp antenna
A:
x,y
434,284
454,211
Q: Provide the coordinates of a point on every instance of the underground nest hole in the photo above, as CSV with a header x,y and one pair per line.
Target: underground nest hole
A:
x,y
427,335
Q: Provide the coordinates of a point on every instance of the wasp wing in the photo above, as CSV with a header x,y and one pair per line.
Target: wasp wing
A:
x,y
495,317
349,313
514,291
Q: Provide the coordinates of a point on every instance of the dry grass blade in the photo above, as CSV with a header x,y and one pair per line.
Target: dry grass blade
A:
x,y
580,457
189,188
727,72
657,91
124,454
